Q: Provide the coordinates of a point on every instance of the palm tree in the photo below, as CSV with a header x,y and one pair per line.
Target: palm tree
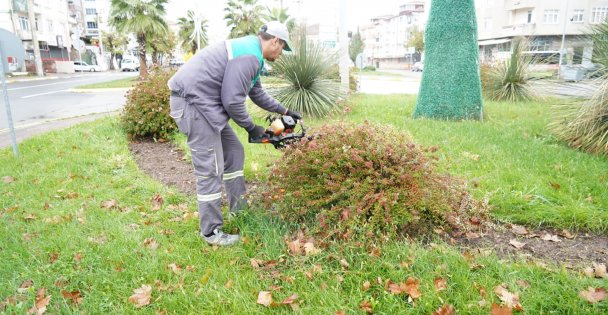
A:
x,y
141,17
192,38
243,17
114,43
281,15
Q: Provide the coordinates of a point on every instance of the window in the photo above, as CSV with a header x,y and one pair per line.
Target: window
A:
x,y
91,24
529,16
541,44
91,11
551,16
577,16
24,23
43,45
36,24
577,58
598,15
487,24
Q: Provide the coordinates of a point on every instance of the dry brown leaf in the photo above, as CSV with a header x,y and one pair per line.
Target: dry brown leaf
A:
x,y
600,270
440,284
264,298
367,307
41,303
510,299
175,268
566,234
290,300
310,249
344,263
157,202
256,263
150,243
593,295
75,296
141,296
523,283
445,309
25,285
53,257
589,272
366,285
411,287
229,284
517,244
555,186
471,235
109,204
549,237
294,247
340,312
500,310
519,230
29,216
8,179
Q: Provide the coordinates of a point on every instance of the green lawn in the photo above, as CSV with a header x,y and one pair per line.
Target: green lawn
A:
x,y
120,83
58,229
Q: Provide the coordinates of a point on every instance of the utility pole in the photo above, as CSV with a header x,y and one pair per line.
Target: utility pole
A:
x,y
103,58
37,56
7,104
561,50
344,58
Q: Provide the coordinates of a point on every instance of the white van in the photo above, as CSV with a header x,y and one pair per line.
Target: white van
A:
x,y
129,65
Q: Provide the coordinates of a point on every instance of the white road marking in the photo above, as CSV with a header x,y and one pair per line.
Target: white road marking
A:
x,y
52,92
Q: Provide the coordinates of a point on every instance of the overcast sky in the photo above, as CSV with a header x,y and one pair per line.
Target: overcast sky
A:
x,y
359,11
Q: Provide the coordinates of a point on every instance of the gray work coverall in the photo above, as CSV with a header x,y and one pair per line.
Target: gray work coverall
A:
x,y
207,91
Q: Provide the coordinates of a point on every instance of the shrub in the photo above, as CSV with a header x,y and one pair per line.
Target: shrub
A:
x,y
352,81
584,125
508,81
307,68
367,180
146,113
369,68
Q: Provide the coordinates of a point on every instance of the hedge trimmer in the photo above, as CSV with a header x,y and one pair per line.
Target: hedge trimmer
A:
x,y
282,131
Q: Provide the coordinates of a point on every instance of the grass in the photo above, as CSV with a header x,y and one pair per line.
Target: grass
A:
x,y
120,83
53,227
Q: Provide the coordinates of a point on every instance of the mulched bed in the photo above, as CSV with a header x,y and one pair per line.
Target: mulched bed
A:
x,y
166,164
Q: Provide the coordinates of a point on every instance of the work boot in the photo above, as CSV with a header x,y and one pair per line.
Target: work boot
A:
x,y
219,238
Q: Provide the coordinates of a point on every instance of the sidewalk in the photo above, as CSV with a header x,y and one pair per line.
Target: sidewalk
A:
x,y
26,132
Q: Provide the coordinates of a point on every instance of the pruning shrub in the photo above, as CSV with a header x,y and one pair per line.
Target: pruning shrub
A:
x,y
146,113
368,180
508,81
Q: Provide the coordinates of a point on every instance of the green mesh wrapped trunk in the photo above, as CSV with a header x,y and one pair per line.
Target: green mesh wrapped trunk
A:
x,y
451,88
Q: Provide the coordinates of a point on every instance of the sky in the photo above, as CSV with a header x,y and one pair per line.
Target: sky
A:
x,y
359,11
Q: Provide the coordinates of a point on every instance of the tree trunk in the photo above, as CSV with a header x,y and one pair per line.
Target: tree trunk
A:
x,y
143,67
155,58
451,87
112,55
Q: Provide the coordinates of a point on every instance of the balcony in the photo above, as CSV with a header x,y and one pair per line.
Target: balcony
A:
x,y
518,30
511,5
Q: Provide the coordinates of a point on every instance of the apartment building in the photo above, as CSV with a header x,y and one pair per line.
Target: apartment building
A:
x,y
544,23
386,37
51,22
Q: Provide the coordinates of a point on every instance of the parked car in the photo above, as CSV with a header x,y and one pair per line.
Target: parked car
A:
x,y
129,65
417,67
176,62
80,66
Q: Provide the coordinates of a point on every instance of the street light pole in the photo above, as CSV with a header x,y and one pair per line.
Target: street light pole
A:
x,y
103,59
344,58
561,50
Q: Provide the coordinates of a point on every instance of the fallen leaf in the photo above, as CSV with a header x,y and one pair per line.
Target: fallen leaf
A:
x,y
593,295
310,249
141,296
566,234
25,285
549,237
440,284
445,309
523,283
340,312
589,272
75,296
500,310
109,204
515,243
53,257
290,300
600,270
518,229
264,298
344,263
474,157
29,216
411,286
157,202
8,179
206,276
367,307
366,285
151,243
294,247
472,235
41,303
229,284
510,299
555,186
175,268
256,263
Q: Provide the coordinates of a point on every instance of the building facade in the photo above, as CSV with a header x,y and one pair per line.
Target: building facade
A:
x,y
387,37
547,26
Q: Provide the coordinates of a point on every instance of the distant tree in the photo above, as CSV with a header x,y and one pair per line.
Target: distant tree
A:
x,y
143,18
115,44
189,36
451,87
281,15
416,40
160,46
356,46
243,17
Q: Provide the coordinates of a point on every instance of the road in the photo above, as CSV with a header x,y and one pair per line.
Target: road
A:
x,y
35,102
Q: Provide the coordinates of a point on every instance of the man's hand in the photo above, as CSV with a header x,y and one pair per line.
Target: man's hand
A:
x,y
257,133
294,114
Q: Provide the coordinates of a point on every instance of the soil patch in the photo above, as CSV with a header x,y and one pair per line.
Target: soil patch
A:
x,y
165,163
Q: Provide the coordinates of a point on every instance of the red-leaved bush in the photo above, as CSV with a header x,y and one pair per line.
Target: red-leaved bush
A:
x,y
368,180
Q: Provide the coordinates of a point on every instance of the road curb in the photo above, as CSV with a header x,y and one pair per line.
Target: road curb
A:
x,y
30,79
75,90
